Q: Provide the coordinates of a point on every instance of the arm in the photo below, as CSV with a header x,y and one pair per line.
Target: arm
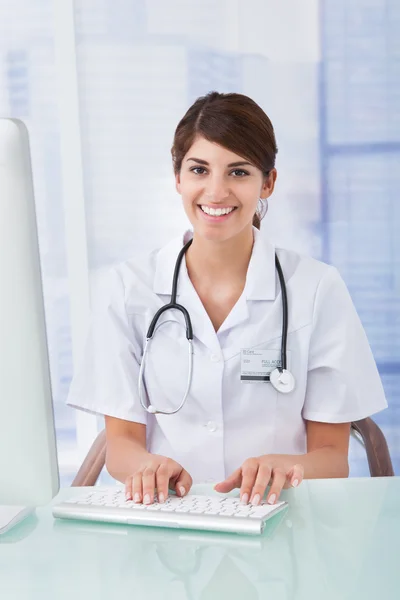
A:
x,y
128,461
326,457
126,447
327,452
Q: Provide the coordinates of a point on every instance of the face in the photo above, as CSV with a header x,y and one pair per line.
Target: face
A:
x,y
220,190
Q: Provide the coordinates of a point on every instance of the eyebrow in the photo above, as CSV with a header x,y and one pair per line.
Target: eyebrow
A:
x,y
234,164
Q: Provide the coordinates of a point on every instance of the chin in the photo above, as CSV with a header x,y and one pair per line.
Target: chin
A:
x,y
215,233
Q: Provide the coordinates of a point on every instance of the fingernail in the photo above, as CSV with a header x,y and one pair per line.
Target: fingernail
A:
x,y
182,490
137,497
271,499
295,483
146,499
128,496
245,499
161,498
256,500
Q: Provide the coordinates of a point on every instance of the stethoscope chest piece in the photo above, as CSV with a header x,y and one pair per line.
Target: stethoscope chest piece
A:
x,y
283,381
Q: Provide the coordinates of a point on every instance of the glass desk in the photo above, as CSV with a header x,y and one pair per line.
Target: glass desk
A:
x,y
339,538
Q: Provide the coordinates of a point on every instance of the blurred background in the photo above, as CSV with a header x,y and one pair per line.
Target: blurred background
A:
x,y
102,84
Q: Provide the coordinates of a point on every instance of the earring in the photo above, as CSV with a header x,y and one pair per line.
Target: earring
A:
x,y
262,207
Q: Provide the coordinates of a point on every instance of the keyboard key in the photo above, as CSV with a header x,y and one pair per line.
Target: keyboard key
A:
x,y
197,497
244,510
260,512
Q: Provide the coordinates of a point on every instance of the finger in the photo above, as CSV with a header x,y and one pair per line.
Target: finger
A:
x,y
261,482
183,483
137,488
149,483
295,476
249,476
128,488
232,482
278,482
162,480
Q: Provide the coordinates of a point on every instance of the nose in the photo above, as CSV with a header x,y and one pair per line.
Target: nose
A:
x,y
217,190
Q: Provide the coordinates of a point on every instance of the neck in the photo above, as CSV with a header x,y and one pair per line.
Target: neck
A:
x,y
214,261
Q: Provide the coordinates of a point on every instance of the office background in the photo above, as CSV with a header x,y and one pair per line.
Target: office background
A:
x,y
102,84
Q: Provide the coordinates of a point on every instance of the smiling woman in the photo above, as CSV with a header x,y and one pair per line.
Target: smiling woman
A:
x,y
243,136
236,427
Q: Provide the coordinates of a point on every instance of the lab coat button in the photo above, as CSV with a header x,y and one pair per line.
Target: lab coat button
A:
x,y
215,357
212,426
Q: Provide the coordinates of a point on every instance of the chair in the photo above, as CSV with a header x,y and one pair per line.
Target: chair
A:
x,y
93,464
378,456
366,430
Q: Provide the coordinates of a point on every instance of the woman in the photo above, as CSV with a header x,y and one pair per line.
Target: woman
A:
x,y
234,429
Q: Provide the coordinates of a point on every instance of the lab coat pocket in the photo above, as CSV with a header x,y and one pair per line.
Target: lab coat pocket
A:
x,y
251,367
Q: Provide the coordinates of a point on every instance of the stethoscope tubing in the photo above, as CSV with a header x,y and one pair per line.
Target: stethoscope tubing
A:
x,y
173,305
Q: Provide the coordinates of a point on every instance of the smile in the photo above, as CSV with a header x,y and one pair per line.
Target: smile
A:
x,y
217,212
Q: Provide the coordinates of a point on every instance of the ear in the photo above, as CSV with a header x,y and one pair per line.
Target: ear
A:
x,y
269,184
178,182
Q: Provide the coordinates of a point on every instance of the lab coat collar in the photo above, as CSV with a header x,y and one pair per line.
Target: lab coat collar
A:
x,y
260,281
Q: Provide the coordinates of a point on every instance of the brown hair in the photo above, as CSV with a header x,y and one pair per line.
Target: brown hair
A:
x,y
233,121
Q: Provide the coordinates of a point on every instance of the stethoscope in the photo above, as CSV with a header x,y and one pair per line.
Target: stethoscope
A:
x,y
281,379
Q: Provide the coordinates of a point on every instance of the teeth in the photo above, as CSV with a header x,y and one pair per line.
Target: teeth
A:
x,y
216,212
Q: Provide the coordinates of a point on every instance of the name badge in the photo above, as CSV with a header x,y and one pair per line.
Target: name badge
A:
x,y
257,364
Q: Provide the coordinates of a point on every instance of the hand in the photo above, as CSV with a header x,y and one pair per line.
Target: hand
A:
x,y
254,476
157,472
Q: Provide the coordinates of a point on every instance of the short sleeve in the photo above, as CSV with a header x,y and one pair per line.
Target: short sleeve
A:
x,y
106,378
343,383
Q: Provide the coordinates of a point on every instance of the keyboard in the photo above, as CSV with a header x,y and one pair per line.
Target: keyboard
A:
x,y
194,511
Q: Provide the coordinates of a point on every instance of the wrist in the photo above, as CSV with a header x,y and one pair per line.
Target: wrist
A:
x,y
284,461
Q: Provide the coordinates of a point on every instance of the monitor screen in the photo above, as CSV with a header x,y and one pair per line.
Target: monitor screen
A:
x,y
28,456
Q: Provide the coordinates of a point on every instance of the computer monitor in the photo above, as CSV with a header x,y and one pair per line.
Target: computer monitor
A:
x,y
28,455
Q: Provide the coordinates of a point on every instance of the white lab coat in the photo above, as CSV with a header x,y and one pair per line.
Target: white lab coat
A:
x,y
225,421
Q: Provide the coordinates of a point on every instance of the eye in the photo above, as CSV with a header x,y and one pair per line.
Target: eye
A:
x,y
195,169
240,173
